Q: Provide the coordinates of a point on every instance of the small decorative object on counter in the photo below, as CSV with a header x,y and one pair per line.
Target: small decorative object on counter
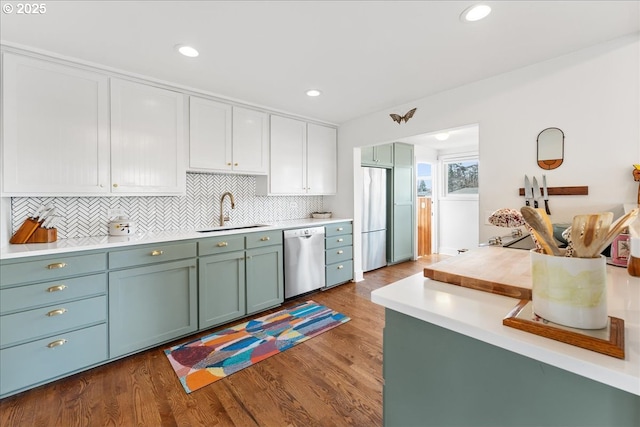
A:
x,y
633,264
506,217
620,249
321,215
122,226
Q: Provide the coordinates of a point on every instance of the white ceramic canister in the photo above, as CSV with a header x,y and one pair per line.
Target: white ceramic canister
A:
x,y
570,291
122,226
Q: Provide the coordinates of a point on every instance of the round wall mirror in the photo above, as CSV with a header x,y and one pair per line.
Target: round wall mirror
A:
x,y
550,148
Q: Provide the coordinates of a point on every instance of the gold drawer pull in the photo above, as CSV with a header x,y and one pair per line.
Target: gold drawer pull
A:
x,y
340,252
340,267
57,343
57,312
340,240
222,244
156,253
57,265
340,229
56,288
264,239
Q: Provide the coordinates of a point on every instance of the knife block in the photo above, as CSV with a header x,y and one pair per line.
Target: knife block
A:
x,y
31,232
43,235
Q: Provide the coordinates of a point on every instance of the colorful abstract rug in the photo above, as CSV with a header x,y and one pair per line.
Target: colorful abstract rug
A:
x,y
205,360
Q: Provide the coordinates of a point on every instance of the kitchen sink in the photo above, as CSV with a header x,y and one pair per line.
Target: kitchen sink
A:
x,y
232,227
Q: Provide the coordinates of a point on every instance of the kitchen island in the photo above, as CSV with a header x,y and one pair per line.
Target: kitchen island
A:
x,y
449,360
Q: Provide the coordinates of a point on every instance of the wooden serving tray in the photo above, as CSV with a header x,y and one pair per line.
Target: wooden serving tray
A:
x,y
609,340
492,269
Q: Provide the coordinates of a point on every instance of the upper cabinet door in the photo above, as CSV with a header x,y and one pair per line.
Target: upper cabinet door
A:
x,y
322,159
250,141
288,156
147,151
209,135
55,129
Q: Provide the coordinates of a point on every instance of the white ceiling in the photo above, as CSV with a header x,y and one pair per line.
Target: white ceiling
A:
x,y
365,56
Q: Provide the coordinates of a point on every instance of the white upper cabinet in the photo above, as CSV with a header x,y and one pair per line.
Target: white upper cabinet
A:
x,y
322,159
55,129
227,139
209,135
147,139
302,159
250,141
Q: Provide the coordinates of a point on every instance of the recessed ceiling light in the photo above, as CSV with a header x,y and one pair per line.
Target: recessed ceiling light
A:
x,y
313,92
442,136
187,50
475,13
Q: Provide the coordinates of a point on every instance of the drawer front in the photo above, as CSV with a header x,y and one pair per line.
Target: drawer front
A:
x,y
337,241
338,254
52,268
28,364
339,273
32,324
47,293
222,244
151,254
266,238
338,228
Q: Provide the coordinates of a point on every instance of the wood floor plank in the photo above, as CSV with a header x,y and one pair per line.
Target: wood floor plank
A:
x,y
334,379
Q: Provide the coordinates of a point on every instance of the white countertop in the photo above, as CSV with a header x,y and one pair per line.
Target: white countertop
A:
x,y
108,242
479,315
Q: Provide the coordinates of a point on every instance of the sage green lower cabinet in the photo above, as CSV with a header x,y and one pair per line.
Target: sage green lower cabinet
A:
x,y
436,377
221,288
265,278
150,305
338,253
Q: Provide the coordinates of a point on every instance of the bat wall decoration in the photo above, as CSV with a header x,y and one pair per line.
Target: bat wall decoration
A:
x,y
398,118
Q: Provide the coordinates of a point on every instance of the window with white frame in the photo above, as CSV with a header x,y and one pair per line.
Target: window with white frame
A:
x,y
460,176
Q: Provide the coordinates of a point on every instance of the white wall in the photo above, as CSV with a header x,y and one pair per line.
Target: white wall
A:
x,y
593,95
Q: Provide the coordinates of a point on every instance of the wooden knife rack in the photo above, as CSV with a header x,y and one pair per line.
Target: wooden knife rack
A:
x,y
31,232
563,191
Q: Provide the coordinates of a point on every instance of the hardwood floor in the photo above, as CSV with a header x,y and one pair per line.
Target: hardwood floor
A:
x,y
334,379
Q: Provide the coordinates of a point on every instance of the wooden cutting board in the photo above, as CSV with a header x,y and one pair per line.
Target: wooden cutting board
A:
x,y
492,269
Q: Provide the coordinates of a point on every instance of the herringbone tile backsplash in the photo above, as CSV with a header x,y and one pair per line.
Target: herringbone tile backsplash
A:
x,y
200,208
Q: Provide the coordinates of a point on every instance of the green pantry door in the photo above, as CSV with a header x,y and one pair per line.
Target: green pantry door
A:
x,y
402,206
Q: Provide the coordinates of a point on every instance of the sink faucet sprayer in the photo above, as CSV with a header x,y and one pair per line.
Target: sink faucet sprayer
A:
x,y
224,218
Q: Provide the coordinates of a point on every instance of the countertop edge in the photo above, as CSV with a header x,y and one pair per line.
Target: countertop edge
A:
x,y
62,246
491,331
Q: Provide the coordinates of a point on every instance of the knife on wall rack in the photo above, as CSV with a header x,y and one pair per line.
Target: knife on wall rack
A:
x,y
545,194
528,194
536,192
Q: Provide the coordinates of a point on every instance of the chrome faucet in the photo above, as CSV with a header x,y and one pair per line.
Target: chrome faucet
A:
x,y
224,218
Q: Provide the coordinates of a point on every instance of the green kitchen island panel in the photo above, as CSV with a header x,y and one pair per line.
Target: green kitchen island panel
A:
x,y
449,361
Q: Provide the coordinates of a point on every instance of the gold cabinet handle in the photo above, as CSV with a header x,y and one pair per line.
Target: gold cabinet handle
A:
x,y
340,267
56,288
265,239
222,244
57,265
235,164
57,312
57,343
115,185
156,253
340,252
229,164
340,229
340,240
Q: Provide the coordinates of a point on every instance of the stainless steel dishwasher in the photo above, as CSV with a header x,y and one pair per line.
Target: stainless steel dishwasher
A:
x,y
303,260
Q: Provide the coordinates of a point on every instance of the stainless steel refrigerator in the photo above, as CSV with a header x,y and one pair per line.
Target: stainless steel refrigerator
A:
x,y
374,218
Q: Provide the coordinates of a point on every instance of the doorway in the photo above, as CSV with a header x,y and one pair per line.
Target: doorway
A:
x,y
424,186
